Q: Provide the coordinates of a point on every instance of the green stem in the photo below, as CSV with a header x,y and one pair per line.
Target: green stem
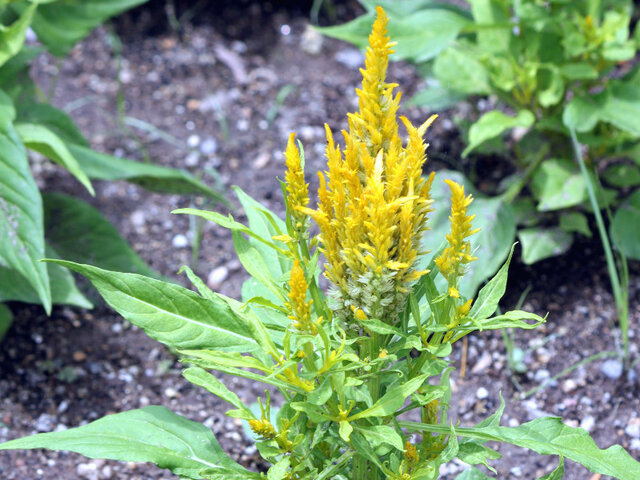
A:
x,y
514,190
620,296
337,467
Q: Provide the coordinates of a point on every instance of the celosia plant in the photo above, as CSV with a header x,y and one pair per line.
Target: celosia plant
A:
x,y
363,374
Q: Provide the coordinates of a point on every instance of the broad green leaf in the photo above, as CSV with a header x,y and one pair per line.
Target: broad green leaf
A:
x,y
6,318
579,71
345,429
56,120
549,436
625,227
575,222
59,25
420,36
558,184
279,470
473,474
489,297
436,98
22,242
495,35
494,123
79,232
14,287
392,400
12,36
474,453
381,434
583,113
364,448
622,175
210,383
461,72
550,86
169,313
154,178
494,218
151,434
622,108
44,141
541,243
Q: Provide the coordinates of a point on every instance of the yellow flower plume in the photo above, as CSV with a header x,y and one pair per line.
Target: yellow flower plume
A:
x,y
453,259
297,189
298,305
373,201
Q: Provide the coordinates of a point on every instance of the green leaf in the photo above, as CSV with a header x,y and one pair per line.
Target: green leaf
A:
x,y
550,86
436,98
549,436
489,297
558,472
345,430
210,383
541,243
474,453
12,37
171,314
420,36
579,71
14,287
392,400
154,178
364,448
622,108
583,113
79,232
44,141
381,435
60,25
461,72
557,184
493,124
473,474
22,242
6,318
622,175
54,119
575,222
279,470
151,434
511,319
624,227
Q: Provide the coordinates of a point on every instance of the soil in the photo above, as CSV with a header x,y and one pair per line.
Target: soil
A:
x,y
213,86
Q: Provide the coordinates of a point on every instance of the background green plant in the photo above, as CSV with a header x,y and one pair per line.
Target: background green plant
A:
x,y
550,65
32,225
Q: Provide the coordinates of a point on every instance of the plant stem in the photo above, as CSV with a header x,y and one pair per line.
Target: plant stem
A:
x,y
514,190
620,296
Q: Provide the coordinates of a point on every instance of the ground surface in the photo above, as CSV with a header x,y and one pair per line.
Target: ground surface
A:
x,y
213,87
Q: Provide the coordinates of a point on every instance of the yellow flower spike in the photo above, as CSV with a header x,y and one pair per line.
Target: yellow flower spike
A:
x,y
297,189
411,453
453,292
453,259
263,427
373,201
298,305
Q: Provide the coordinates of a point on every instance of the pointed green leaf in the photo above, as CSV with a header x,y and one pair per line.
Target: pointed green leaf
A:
x,y
345,430
541,243
624,227
22,239
279,470
210,383
473,474
169,313
549,436
14,287
381,434
490,295
151,434
154,178
392,400
56,120
12,37
557,474
44,141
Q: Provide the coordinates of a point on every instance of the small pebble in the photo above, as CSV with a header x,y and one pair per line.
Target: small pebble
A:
x,y
116,328
261,161
612,369
79,356
87,470
209,146
193,141
138,218
588,423
45,423
635,444
516,471
482,363
180,241
217,276
64,405
192,159
482,393
541,375
633,429
311,41
170,392
569,385
350,57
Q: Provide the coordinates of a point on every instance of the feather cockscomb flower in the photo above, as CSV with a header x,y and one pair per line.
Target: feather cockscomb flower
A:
x,y
457,255
297,189
373,201
298,305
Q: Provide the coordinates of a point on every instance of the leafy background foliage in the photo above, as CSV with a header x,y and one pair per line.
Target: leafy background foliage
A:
x,y
36,226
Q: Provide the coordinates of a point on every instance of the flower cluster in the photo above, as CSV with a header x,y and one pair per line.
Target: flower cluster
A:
x,y
373,200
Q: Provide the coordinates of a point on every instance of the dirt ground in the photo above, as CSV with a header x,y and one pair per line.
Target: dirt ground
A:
x,y
217,87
